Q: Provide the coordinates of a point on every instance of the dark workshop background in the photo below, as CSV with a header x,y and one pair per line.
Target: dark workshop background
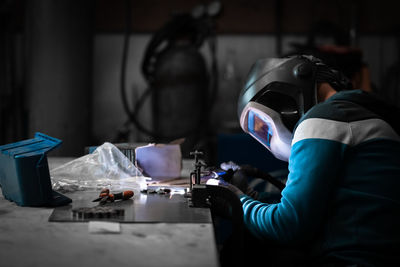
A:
x,y
61,62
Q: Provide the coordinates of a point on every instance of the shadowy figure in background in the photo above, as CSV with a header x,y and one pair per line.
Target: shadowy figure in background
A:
x,y
332,45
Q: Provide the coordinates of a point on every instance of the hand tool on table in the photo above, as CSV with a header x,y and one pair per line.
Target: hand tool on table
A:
x,y
105,196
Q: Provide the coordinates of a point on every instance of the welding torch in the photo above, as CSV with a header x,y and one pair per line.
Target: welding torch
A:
x,y
242,172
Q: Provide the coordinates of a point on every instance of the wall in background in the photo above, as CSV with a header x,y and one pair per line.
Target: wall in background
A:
x,y
247,30
235,53
58,72
254,16
65,65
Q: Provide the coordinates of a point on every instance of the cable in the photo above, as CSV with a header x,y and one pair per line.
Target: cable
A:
x,y
170,30
125,52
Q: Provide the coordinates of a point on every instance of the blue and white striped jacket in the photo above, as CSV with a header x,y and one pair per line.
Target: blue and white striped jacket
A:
x,y
343,188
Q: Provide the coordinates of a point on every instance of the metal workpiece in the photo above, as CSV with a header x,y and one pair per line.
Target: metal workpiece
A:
x,y
155,207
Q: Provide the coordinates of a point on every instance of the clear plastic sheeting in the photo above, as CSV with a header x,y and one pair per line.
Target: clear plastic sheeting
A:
x,y
107,167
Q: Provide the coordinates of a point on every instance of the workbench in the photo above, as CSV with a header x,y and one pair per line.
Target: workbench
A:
x,y
28,238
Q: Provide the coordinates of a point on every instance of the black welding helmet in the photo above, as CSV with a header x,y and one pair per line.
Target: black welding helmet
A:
x,y
277,93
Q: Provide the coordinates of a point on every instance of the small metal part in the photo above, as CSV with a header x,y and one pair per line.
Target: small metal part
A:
x,y
163,191
151,191
160,191
98,212
197,171
167,190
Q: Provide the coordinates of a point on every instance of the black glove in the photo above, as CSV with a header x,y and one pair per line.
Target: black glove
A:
x,y
231,187
239,181
251,171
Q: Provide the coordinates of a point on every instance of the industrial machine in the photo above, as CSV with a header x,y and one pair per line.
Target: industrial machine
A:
x,y
180,86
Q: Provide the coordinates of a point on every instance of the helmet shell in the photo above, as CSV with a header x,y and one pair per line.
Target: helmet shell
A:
x,y
286,85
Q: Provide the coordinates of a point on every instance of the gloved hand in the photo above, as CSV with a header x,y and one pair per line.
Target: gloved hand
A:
x,y
251,171
231,187
239,178
240,182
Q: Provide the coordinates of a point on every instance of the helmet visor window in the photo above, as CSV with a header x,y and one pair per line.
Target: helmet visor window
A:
x,y
260,128
265,125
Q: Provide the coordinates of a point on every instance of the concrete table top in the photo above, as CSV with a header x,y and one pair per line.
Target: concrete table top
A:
x,y
27,238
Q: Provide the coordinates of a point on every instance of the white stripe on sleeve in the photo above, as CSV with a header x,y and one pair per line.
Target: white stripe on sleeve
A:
x,y
350,133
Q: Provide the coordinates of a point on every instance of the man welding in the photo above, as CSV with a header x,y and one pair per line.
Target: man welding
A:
x,y
341,203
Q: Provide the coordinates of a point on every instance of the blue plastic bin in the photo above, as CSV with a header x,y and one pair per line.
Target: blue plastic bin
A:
x,y
24,172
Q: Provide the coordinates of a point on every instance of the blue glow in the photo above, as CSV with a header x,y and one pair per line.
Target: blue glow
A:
x,y
260,128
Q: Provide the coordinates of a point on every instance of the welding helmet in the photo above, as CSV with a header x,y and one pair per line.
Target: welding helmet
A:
x,y
277,93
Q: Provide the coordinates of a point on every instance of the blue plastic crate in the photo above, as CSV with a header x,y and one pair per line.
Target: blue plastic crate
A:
x,y
24,172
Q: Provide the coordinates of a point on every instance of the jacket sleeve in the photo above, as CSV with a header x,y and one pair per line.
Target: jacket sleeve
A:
x,y
314,164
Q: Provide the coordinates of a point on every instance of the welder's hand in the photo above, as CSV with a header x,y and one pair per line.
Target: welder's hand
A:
x,y
240,180
231,187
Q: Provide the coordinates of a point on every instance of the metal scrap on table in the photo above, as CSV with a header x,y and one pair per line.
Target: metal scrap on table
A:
x,y
98,212
160,191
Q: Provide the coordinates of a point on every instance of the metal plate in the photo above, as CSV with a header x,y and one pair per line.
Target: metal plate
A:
x,y
143,207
